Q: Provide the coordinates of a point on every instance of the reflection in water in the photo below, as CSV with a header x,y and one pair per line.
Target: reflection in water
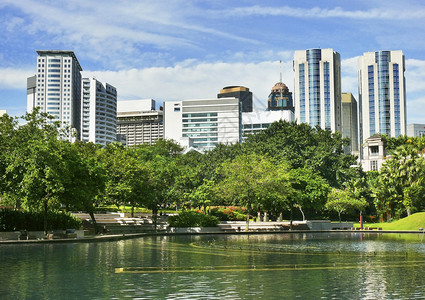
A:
x,y
257,266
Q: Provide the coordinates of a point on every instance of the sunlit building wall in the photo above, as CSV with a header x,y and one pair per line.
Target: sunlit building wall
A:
x,y
58,88
318,88
382,99
99,112
203,123
139,122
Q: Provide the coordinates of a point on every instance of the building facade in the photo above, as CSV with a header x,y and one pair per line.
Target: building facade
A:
x,y
139,122
416,130
58,88
318,88
98,112
203,123
2,112
350,126
257,121
374,153
382,99
240,92
280,98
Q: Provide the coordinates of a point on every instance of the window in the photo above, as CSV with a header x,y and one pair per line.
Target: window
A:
x,y
374,150
176,108
374,165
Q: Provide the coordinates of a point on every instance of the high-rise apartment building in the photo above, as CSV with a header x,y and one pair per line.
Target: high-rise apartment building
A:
x,y
98,112
318,88
350,126
203,123
382,99
58,88
139,122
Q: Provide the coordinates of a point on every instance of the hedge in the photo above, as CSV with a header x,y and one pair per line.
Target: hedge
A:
x,y
192,219
14,220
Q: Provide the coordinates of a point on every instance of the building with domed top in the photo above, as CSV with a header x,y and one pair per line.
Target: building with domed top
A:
x,y
280,98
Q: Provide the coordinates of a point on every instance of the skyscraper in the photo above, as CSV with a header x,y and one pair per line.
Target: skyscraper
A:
x,y
382,99
99,112
58,87
349,122
318,88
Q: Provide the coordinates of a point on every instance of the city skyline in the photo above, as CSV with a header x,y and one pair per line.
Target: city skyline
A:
x,y
165,50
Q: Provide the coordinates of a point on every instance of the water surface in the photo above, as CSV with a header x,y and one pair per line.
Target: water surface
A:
x,y
255,266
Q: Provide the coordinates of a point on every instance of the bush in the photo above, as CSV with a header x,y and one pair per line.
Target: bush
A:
x,y
192,219
14,220
232,213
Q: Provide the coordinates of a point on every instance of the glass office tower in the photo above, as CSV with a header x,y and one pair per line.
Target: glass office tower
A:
x,y
382,100
318,88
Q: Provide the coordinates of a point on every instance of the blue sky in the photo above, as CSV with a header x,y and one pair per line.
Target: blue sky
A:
x,y
174,50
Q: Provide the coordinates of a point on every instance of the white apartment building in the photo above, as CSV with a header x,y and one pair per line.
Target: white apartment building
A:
x,y
56,89
203,123
382,100
257,121
98,112
318,88
139,122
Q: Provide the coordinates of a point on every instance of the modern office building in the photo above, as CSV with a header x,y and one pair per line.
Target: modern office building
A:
x,y
280,98
257,121
240,92
350,126
139,122
58,88
203,123
99,112
318,88
416,130
382,99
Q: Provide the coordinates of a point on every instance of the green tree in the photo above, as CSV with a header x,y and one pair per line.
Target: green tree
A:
x,y
404,174
310,190
33,163
303,146
84,178
253,181
342,201
203,195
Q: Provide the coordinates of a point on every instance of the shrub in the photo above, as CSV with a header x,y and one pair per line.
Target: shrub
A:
x,y
14,220
231,213
192,219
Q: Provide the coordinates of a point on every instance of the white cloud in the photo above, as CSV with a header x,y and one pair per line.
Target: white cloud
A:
x,y
193,79
121,27
337,12
11,78
349,78
415,75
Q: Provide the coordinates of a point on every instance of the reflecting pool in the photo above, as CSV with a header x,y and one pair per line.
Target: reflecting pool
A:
x,y
348,265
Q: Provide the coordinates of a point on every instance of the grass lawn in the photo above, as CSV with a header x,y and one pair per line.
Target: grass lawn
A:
x,y
413,222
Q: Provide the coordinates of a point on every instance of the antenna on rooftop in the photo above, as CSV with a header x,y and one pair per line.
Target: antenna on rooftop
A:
x,y
281,95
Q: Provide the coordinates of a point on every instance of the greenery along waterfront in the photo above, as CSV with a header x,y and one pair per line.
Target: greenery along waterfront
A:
x,y
289,168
